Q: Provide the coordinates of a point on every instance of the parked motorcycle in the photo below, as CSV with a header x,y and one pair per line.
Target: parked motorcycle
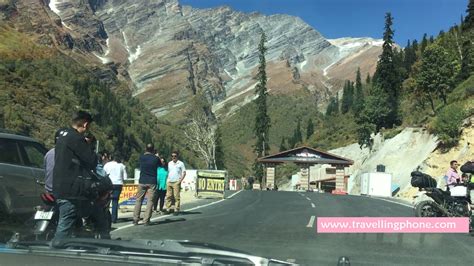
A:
x,y
453,203
47,216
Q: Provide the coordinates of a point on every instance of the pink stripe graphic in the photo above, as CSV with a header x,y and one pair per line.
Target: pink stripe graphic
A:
x,y
392,225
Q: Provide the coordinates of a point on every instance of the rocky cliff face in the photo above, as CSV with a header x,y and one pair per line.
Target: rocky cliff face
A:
x,y
173,52
411,149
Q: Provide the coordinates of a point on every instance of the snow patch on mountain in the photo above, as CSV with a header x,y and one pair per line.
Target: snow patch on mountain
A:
x,y
132,55
349,43
104,58
53,5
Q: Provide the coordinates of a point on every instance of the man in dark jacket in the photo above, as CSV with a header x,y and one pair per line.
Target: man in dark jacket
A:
x,y
74,157
149,163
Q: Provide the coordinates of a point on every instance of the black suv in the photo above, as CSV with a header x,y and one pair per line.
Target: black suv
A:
x,y
21,165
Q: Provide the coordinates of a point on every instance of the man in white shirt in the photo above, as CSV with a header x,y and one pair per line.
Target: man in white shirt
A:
x,y
120,163
176,174
117,175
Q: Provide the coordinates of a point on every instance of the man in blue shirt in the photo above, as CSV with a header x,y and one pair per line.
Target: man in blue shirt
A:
x,y
149,163
49,164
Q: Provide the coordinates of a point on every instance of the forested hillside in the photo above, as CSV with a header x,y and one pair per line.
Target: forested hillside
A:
x,y
40,88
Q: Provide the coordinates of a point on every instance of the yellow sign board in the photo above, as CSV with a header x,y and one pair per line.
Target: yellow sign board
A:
x,y
127,196
211,184
211,181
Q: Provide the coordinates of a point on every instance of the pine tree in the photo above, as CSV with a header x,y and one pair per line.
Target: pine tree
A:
x,y
377,108
283,146
262,120
347,97
387,77
467,64
431,39
292,141
469,21
297,135
414,46
219,154
424,43
358,95
333,107
399,61
410,56
368,80
309,128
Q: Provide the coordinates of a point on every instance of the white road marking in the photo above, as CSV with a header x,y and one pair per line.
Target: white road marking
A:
x,y
311,221
308,198
312,205
192,209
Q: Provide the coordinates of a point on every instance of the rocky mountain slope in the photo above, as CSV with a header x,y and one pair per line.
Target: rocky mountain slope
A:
x,y
173,52
165,53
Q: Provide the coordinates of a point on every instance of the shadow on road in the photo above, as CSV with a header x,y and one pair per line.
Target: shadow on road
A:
x,y
188,213
168,221
124,220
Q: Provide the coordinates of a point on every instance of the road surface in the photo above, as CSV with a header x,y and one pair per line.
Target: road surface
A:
x,y
282,225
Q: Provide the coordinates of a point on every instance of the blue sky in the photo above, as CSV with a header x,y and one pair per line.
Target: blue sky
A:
x,y
357,18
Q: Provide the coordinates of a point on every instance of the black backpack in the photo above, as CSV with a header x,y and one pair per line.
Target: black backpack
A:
x,y
91,185
468,168
422,180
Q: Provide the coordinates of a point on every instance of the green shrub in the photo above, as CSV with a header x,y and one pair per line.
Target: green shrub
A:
x,y
392,132
447,125
470,91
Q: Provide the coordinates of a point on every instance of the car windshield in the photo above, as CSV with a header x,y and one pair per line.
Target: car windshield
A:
x,y
237,131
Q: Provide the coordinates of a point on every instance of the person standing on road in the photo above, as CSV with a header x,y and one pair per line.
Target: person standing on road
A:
x,y
49,164
176,174
73,158
120,162
452,175
149,164
162,176
117,174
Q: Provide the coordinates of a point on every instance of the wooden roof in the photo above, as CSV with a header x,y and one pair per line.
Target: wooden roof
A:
x,y
306,155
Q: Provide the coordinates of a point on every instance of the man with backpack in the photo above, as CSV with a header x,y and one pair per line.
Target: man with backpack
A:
x,y
74,161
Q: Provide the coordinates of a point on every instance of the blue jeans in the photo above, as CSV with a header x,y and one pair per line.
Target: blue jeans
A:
x,y
115,198
69,212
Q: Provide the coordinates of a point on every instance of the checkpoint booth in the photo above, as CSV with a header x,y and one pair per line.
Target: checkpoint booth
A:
x,y
305,157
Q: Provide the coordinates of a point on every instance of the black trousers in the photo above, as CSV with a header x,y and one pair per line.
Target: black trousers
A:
x,y
160,196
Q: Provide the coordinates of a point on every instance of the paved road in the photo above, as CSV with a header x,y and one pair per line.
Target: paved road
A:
x,y
279,225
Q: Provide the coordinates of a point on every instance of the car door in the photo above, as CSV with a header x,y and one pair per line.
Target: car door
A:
x,y
33,157
16,185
